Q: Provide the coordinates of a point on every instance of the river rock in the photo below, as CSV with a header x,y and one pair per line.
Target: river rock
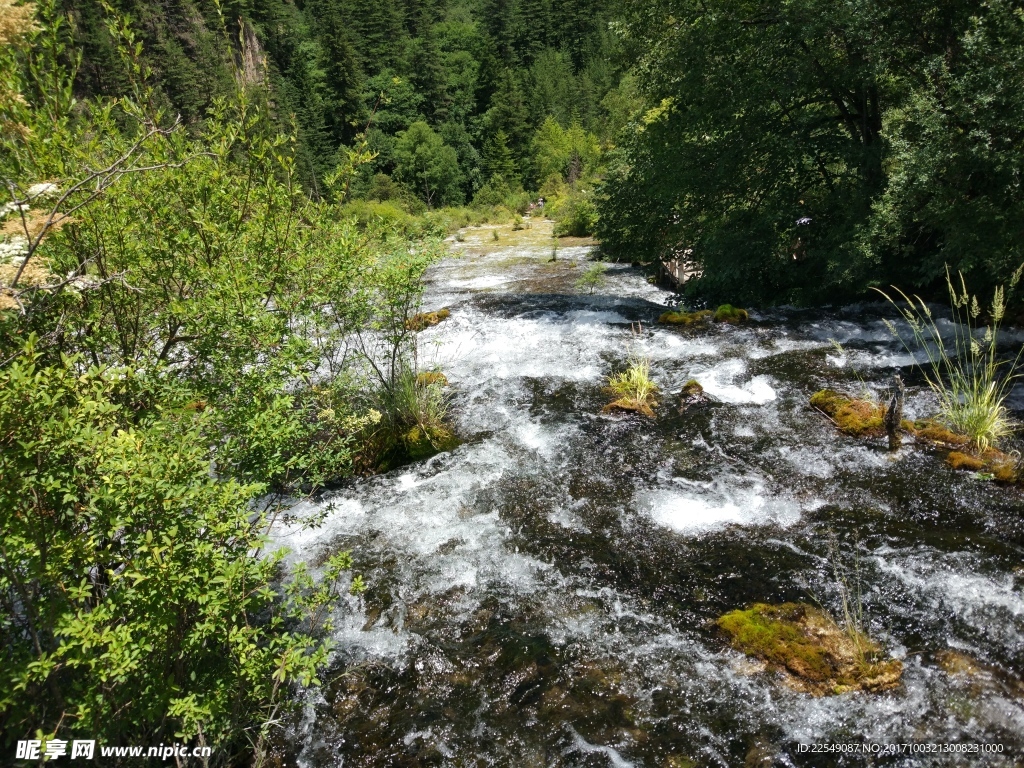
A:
x,y
813,653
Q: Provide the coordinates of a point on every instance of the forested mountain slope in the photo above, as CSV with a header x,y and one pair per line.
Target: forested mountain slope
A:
x,y
483,75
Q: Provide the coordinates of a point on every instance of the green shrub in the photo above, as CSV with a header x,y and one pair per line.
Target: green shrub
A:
x,y
575,215
137,606
592,278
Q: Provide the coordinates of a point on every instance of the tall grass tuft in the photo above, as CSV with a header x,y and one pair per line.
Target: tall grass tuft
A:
x,y
414,425
969,380
633,388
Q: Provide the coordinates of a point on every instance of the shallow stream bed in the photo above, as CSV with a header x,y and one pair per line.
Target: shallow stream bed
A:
x,y
545,594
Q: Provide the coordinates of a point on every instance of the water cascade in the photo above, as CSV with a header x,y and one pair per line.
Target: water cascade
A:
x,y
546,593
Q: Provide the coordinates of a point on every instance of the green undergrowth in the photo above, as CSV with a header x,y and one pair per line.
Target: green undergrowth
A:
x,y
813,652
412,222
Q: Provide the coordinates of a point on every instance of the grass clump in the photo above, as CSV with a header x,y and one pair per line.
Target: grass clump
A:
x,y
424,320
727,313
859,418
965,373
633,389
810,649
413,424
685,318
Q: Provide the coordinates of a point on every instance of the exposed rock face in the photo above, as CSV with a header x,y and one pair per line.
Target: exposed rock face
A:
x,y
813,653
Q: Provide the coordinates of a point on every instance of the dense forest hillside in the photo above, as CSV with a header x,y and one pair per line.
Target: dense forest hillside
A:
x,y
481,75
798,153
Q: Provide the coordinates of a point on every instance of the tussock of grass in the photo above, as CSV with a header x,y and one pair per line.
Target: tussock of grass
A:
x,y
864,418
413,426
815,654
427,319
633,388
969,380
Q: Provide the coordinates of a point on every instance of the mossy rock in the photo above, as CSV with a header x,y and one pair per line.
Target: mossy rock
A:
x,y
643,407
692,388
685,318
422,443
933,432
859,418
431,378
813,653
427,319
727,313
1000,466
692,393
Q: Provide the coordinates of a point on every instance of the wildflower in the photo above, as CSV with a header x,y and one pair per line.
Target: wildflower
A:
x,y
46,189
13,250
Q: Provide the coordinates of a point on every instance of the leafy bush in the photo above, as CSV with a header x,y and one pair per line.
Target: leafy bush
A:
x,y
592,278
575,215
133,607
498,192
197,350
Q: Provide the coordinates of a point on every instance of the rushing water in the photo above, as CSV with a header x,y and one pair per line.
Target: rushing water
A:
x,y
545,594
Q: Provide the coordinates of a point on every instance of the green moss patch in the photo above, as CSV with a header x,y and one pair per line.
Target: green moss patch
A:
x,y
727,313
685,318
813,653
420,443
860,418
430,378
692,388
427,319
